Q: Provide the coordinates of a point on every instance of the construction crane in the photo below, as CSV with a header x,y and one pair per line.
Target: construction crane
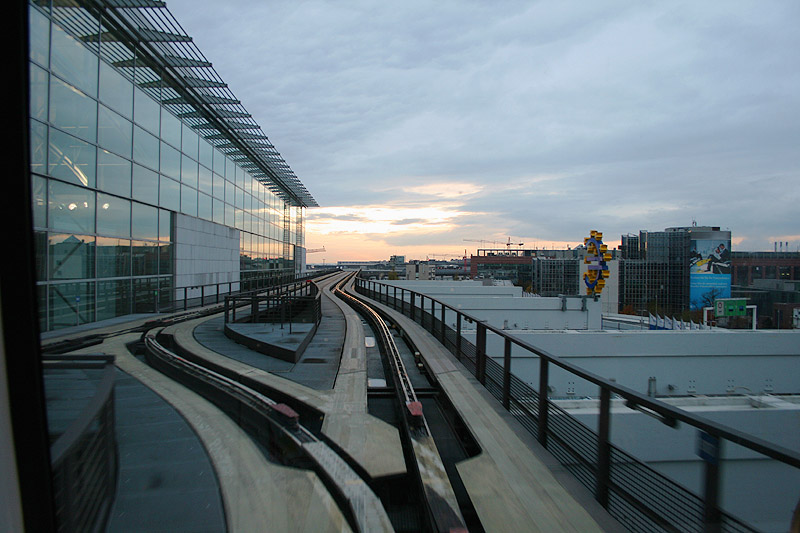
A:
x,y
315,250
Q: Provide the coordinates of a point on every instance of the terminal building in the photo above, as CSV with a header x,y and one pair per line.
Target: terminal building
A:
x,y
149,177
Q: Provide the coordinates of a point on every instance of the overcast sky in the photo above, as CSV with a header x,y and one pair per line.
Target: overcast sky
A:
x,y
416,125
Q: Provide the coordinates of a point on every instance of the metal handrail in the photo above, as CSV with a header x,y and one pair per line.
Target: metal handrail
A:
x,y
668,414
300,291
209,297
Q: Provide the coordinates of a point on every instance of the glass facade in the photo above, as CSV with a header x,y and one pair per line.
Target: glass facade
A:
x,y
112,168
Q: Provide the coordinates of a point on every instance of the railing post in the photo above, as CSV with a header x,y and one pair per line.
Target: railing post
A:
x,y
433,317
443,329
507,374
603,448
202,295
710,448
394,298
422,310
458,335
480,353
402,301
411,308
226,310
185,299
543,402
216,298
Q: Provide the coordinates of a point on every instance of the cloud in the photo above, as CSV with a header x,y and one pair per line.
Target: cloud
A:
x,y
539,120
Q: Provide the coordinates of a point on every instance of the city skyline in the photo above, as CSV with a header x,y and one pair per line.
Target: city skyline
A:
x,y
416,128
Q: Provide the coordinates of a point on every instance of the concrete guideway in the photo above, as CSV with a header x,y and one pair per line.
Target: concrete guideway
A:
x,y
371,442
511,487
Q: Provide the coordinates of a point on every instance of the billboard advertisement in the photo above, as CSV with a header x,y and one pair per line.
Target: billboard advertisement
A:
x,y
709,271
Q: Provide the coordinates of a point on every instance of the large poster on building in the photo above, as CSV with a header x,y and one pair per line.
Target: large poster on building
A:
x,y
709,271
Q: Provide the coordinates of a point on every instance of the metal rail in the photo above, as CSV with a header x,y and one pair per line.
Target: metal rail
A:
x,y
441,503
634,493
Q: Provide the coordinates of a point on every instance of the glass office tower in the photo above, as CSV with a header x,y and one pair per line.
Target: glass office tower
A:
x,y
148,174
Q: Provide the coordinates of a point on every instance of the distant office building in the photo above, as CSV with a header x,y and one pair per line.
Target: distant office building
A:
x,y
543,272
148,174
678,269
748,267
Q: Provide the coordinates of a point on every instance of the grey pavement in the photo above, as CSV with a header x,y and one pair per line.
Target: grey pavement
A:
x,y
317,367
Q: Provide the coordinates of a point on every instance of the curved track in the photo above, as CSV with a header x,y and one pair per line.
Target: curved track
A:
x,y
440,500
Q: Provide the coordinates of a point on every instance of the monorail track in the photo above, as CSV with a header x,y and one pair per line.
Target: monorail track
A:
x,y
441,504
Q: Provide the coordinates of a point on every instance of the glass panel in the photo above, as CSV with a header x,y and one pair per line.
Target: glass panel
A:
x,y
188,201
145,148
73,111
113,257
73,62
170,194
145,293
229,215
230,169
39,200
145,258
229,193
113,298
115,90
144,222
113,216
189,171
204,206
189,144
38,147
165,258
40,250
165,295
146,112
71,304
70,208
219,162
165,225
38,94
219,187
145,185
204,182
114,132
113,174
219,211
170,161
71,256
39,36
71,159
206,153
171,129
